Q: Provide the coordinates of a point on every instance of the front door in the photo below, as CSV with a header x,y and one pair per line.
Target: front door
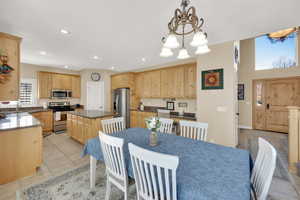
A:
x,y
271,98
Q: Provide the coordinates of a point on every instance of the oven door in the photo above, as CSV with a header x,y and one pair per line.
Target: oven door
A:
x,y
60,94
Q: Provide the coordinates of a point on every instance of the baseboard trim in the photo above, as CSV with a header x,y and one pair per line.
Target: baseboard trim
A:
x,y
245,127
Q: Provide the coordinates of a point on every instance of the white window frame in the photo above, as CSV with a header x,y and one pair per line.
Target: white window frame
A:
x,y
34,88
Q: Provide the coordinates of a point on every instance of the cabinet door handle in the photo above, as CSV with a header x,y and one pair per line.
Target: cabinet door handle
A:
x,y
268,106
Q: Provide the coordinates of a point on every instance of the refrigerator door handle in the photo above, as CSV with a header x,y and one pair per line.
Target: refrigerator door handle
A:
x,y
117,103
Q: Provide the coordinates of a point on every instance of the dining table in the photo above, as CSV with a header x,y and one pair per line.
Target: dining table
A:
x,y
206,171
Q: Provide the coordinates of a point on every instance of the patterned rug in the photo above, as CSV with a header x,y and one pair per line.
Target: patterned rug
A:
x,y
74,185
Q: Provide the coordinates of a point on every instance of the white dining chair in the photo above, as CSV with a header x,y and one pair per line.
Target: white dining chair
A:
x,y
113,125
154,174
166,125
263,170
194,130
112,149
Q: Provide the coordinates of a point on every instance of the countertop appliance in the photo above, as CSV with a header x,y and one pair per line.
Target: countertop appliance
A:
x,y
61,94
121,104
60,110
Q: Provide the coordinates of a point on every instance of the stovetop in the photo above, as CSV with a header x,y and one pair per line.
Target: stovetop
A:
x,y
60,106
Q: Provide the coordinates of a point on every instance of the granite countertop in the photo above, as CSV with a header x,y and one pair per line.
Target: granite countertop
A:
x,y
92,114
18,121
24,108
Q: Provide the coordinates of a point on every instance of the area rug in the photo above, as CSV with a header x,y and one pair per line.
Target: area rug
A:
x,y
74,185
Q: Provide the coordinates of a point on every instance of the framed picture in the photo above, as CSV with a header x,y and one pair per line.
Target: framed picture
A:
x,y
212,79
170,105
241,91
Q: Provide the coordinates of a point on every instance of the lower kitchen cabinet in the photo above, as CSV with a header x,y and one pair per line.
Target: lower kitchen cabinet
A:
x,y
82,129
138,118
46,119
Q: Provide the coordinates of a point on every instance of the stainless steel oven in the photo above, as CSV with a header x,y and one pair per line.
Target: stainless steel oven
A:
x,y
61,94
60,110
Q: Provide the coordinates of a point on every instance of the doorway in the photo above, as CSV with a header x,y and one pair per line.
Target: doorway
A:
x,y
95,95
270,100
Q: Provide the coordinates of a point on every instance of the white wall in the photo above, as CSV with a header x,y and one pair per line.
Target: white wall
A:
x,y
222,124
105,76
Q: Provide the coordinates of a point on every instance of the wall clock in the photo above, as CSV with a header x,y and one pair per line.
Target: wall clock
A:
x,y
95,76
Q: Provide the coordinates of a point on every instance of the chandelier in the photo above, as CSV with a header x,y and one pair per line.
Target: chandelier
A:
x,y
185,22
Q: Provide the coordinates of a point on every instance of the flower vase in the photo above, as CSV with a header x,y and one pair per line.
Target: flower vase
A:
x,y
153,138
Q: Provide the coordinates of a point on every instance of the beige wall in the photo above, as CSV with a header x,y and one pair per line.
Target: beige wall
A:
x,y
217,107
30,71
105,76
247,74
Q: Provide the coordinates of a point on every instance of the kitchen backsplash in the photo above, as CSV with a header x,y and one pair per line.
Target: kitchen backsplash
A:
x,y
72,101
191,104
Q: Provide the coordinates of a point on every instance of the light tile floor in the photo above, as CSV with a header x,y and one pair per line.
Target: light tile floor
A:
x,y
284,184
60,154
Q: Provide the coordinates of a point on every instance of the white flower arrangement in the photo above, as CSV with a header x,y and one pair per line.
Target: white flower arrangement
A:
x,y
153,123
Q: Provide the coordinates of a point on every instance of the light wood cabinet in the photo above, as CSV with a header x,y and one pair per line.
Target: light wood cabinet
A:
x,y
46,119
190,81
20,153
155,83
44,85
47,81
140,84
82,129
126,80
172,82
137,118
76,86
62,81
10,46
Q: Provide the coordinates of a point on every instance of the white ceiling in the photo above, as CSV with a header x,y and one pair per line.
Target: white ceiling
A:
x,y
122,32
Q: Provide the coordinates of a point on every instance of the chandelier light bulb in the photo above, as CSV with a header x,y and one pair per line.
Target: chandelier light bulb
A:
x,y
171,42
183,54
166,52
202,49
199,39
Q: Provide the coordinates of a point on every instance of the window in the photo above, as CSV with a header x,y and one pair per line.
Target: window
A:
x,y
271,54
27,91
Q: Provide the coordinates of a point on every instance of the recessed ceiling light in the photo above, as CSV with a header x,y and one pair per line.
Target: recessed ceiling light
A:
x,y
144,59
43,53
96,57
66,66
112,67
64,31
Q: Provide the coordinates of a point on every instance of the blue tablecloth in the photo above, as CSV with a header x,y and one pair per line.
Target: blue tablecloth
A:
x,y
206,171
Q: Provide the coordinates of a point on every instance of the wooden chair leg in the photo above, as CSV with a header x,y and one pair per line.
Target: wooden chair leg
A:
x,y
108,189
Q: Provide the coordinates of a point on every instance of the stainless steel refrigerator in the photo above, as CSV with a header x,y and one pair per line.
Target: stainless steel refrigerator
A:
x,y
121,104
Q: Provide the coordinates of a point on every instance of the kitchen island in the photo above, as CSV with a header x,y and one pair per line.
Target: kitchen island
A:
x,y
20,146
85,124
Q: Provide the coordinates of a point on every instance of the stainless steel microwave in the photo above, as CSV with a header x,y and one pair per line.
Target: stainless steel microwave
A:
x,y
61,94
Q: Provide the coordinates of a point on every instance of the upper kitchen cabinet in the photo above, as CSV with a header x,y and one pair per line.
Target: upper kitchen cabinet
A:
x,y
62,81
76,86
124,80
190,80
48,81
172,82
139,82
10,55
44,85
155,83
